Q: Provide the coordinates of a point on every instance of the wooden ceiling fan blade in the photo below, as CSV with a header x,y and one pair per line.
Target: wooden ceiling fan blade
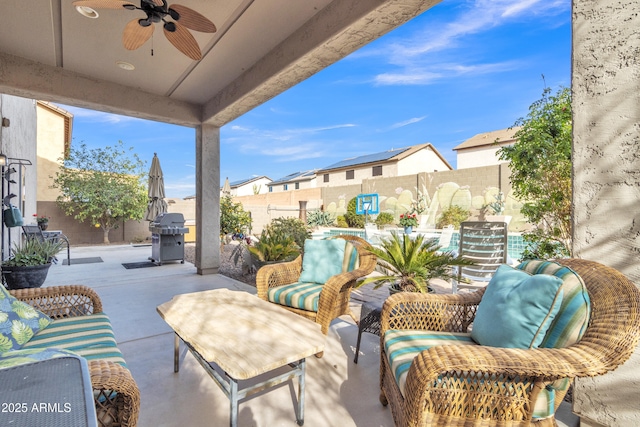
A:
x,y
183,40
135,35
191,19
102,4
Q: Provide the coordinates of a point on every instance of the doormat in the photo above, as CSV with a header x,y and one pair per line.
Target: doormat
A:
x,y
145,264
75,261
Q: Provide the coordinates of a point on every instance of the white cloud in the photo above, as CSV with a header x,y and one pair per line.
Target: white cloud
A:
x,y
407,122
284,145
415,57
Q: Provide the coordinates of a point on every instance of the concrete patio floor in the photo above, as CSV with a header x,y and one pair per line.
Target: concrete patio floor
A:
x,y
338,392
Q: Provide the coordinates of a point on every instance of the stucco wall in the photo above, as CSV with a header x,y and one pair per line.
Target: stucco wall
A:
x,y
606,137
50,125
21,113
475,157
261,184
424,160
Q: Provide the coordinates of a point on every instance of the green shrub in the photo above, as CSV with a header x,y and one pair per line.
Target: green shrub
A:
x,y
318,218
292,227
341,222
353,220
384,218
452,215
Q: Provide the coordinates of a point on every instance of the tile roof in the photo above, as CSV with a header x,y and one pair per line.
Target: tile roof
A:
x,y
503,136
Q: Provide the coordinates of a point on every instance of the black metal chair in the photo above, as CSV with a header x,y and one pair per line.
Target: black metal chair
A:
x,y
34,232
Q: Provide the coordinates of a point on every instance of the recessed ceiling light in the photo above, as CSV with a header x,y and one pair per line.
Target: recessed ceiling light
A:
x,y
125,65
87,11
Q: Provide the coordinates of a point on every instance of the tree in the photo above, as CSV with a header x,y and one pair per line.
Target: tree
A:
x,y
540,162
103,186
233,217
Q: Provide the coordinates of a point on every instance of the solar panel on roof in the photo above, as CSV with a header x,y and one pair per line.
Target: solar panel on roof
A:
x,y
369,158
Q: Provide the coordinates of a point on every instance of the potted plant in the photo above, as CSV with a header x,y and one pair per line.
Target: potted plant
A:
x,y
408,221
408,263
29,264
43,221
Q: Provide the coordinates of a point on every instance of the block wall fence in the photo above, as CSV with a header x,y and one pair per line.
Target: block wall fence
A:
x,y
471,188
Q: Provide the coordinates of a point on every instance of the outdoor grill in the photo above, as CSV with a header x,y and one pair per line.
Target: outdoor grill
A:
x,y
167,238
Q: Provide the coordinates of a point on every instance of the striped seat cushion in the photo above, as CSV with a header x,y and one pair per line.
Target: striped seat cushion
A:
x,y
89,336
300,295
572,319
567,328
402,346
351,258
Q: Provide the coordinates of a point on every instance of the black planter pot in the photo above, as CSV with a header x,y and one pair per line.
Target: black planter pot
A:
x,y
19,277
394,288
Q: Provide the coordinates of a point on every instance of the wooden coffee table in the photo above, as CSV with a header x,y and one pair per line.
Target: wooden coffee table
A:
x,y
245,337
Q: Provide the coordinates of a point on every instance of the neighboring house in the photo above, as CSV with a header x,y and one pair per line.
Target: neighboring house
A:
x,y
481,149
294,181
250,186
54,128
395,162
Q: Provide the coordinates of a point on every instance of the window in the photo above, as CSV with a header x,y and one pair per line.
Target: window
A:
x,y
326,177
271,189
297,185
285,187
376,171
350,174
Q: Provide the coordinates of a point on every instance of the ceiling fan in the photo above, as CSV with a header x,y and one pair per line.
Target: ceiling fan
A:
x,y
138,31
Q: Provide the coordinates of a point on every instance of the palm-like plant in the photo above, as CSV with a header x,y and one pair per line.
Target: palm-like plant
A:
x,y
410,263
274,246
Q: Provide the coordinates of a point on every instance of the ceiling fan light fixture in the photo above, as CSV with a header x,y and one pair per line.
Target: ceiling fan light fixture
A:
x,y
87,11
125,65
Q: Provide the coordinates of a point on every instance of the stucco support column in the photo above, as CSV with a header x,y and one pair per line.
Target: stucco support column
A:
x,y
606,177
207,199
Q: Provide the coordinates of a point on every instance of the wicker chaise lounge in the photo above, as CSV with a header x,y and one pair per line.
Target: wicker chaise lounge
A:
x,y
477,385
331,297
78,310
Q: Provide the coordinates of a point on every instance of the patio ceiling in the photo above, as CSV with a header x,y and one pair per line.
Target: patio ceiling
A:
x,y
49,51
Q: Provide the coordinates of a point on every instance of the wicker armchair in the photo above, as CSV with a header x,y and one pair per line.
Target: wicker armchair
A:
x,y
472,385
336,293
116,394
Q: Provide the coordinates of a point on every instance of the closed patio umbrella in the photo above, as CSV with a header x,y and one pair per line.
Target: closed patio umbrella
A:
x,y
157,204
226,188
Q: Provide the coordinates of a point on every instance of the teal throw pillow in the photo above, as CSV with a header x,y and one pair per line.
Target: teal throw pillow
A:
x,y
19,322
517,309
321,260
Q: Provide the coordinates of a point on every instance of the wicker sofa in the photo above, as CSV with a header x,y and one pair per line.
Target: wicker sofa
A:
x,y
466,384
78,324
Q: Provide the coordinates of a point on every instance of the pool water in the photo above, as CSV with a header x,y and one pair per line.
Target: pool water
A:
x,y
515,243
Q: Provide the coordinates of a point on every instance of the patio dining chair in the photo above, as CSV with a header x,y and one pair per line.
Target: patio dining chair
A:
x,y
34,232
434,372
484,243
317,285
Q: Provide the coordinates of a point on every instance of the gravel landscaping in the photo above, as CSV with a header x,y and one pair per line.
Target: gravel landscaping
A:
x,y
227,267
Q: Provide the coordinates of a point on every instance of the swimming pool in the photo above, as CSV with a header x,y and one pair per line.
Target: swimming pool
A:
x,y
515,243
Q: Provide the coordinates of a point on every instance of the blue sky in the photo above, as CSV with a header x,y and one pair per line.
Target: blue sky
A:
x,y
461,68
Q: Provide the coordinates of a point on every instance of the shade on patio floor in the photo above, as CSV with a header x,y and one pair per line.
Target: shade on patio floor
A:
x,y
339,392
